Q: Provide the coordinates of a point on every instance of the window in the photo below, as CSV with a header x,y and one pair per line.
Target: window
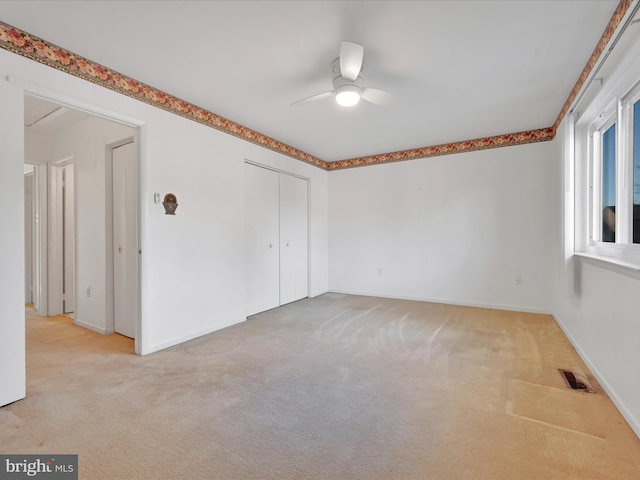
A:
x,y
608,186
608,148
602,171
636,172
615,165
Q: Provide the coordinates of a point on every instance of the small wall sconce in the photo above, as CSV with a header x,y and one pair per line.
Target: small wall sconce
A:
x,y
170,204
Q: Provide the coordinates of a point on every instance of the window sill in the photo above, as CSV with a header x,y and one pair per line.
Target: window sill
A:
x,y
616,265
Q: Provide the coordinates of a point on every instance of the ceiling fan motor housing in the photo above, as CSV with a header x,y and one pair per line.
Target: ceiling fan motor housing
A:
x,y
341,82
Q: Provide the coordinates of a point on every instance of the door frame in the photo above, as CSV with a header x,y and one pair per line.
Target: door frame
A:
x,y
30,236
47,94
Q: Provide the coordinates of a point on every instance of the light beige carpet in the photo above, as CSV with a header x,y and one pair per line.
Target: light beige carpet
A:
x,y
336,387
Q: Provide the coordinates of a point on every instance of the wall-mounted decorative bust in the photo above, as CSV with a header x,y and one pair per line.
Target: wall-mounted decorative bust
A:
x,y
170,204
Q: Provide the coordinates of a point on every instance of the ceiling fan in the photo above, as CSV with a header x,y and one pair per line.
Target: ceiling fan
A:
x,y
346,80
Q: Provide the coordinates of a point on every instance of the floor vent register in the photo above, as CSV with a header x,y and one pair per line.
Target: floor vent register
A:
x,y
577,380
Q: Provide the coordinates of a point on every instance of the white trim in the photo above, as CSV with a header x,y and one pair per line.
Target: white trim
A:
x,y
190,336
273,169
44,93
314,295
633,422
492,306
90,326
616,265
63,162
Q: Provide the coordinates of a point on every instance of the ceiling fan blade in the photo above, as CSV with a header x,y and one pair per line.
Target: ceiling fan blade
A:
x,y
312,98
378,97
351,56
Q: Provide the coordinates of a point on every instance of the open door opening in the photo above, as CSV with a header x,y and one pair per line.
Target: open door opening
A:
x,y
73,151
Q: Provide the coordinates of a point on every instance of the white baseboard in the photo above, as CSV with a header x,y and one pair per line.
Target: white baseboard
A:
x,y
189,336
495,306
615,398
317,294
90,326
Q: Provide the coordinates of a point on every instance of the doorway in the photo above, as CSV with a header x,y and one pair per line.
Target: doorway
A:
x,y
75,149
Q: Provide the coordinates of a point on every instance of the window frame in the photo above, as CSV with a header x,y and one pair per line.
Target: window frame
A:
x,y
597,130
627,104
612,103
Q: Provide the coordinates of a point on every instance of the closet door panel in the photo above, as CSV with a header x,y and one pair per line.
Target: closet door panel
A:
x,y
262,227
293,239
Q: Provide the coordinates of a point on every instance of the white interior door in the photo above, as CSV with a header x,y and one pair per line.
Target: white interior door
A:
x,y
62,239
40,241
262,239
125,250
12,327
56,241
68,239
293,239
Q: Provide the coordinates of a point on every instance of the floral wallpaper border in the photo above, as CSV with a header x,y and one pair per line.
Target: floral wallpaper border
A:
x,y
507,140
34,48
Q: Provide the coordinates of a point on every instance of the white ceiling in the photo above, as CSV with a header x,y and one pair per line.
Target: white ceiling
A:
x,y
460,69
45,118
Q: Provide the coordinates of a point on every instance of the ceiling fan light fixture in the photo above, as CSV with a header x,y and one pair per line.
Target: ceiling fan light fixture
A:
x,y
347,95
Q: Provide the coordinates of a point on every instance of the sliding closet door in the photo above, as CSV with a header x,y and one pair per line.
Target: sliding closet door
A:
x,y
262,227
293,238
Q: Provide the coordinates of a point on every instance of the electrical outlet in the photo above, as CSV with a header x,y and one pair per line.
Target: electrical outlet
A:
x,y
88,291
518,281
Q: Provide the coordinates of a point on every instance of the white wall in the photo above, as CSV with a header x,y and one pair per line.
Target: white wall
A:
x,y
453,229
85,142
205,239
192,263
12,333
457,229
37,149
598,307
